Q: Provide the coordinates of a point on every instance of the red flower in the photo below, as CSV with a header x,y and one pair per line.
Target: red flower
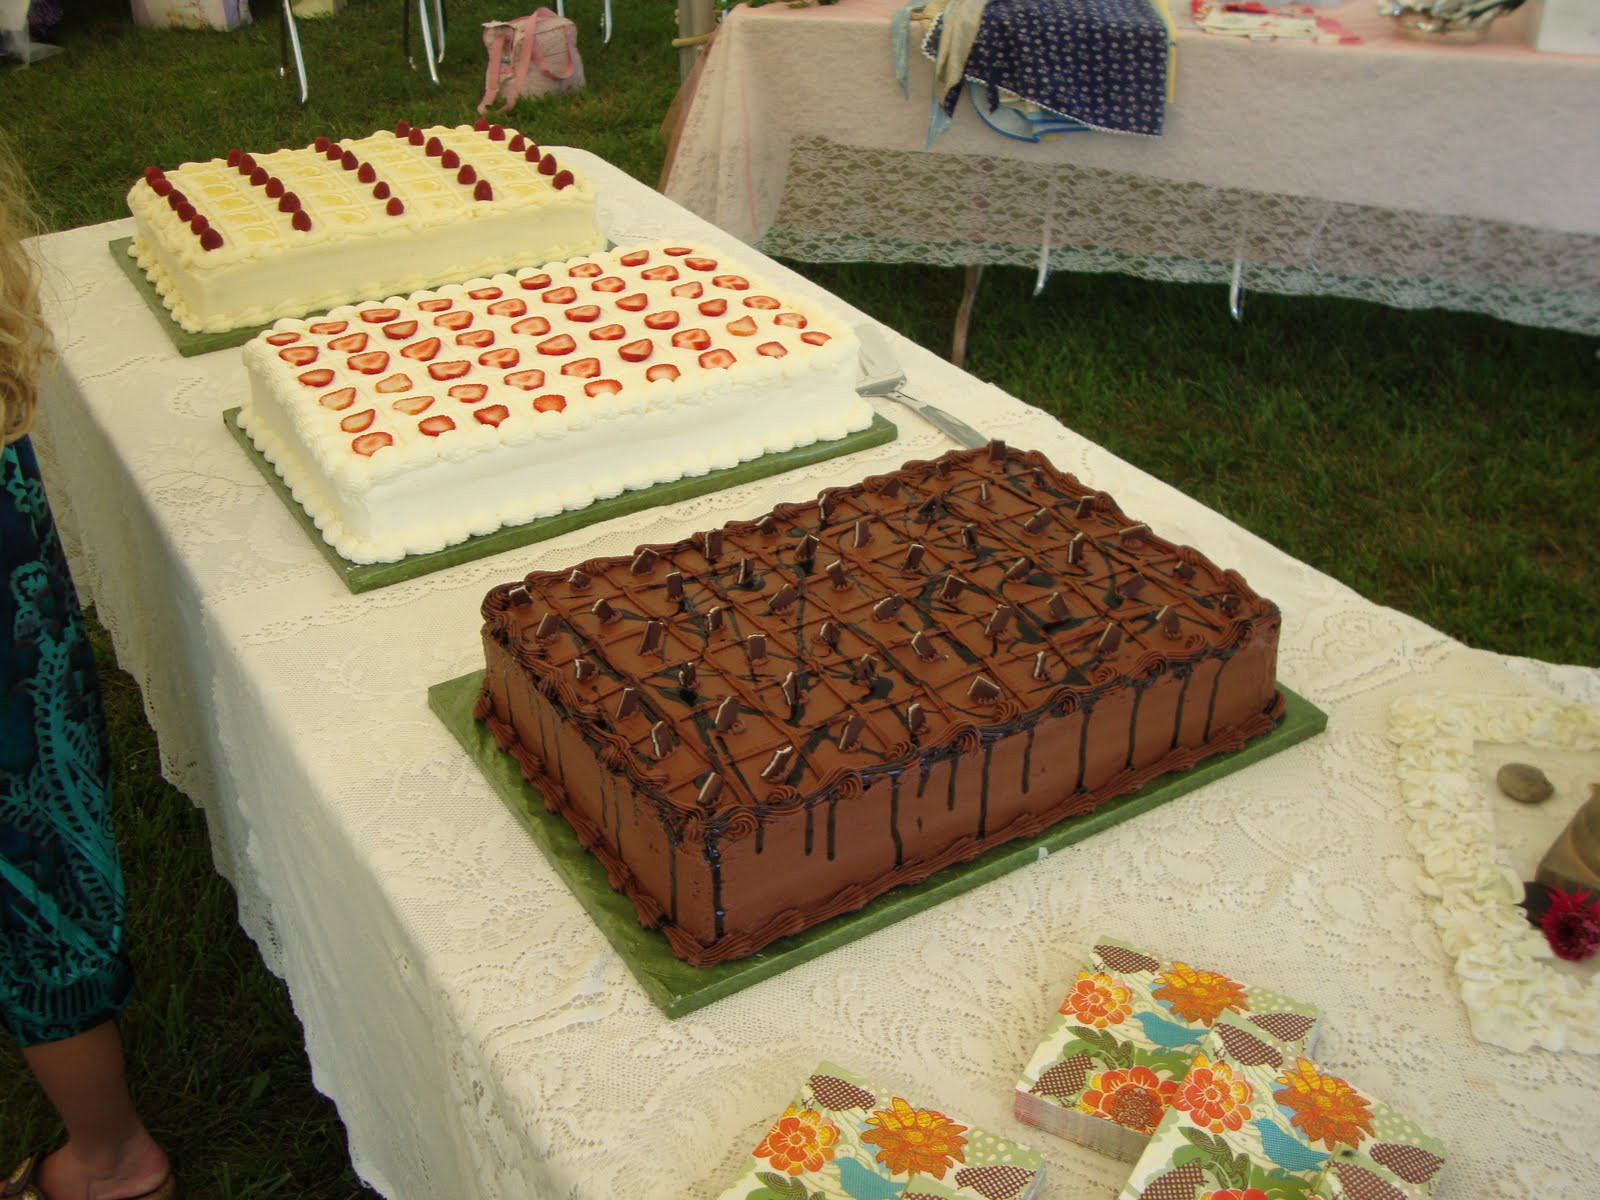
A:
x,y
1572,924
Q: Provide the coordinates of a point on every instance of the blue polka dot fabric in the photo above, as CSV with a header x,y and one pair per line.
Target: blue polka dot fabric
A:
x,y
1101,62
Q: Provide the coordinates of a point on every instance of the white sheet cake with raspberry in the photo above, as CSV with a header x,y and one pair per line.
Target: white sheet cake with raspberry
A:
x,y
406,425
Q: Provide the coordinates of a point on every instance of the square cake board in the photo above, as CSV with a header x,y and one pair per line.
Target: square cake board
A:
x,y
364,577
678,988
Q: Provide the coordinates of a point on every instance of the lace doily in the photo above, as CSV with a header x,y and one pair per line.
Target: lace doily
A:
x,y
1513,990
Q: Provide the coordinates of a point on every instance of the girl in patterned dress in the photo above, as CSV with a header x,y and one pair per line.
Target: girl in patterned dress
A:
x,y
63,971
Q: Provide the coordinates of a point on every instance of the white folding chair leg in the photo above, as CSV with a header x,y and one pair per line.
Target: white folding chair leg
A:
x,y
605,23
290,48
426,21
438,25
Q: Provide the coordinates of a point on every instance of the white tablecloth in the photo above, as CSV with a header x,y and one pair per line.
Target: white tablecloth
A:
x,y
477,1033
1408,173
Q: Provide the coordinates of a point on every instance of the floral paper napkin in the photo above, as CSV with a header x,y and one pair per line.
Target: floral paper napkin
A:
x,y
842,1139
1123,1039
1255,1123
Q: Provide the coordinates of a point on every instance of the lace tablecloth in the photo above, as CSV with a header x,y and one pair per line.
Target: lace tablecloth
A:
x,y
477,1033
1411,174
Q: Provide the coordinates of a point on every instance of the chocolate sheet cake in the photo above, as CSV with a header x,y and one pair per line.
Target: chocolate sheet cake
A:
x,y
766,725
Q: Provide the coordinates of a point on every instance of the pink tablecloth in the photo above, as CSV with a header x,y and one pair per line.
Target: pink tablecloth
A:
x,y
1463,176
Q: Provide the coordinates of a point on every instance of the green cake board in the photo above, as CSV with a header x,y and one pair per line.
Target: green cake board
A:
x,y
678,988
364,577
184,342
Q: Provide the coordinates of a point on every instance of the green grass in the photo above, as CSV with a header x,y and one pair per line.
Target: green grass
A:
x,y
1445,465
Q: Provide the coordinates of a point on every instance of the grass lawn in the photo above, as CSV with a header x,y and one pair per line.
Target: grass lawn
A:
x,y
1442,464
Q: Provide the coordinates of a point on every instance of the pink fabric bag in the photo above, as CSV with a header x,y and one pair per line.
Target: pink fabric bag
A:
x,y
535,55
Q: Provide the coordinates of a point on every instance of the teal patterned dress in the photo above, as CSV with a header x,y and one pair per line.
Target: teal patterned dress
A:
x,y
62,966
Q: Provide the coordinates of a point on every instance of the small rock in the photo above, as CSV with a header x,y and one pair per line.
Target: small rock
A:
x,y
1524,784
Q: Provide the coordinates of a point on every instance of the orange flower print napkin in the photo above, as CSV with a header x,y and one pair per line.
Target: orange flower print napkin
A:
x,y
1251,1120
1123,1039
842,1139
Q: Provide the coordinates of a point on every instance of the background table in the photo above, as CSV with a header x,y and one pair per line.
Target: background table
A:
x,y
1412,174
479,1036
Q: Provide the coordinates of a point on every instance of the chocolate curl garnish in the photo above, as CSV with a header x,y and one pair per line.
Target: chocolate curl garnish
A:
x,y
1085,508
756,647
1056,607
1184,570
627,703
650,639
928,509
712,544
982,689
997,452
1167,618
916,718
714,618
890,488
1037,474
727,714
828,635
999,621
660,740
710,790
944,466
1019,569
791,691
1110,639
862,535
783,598
806,552
1041,669
686,677
1230,604
865,669
675,585
577,581
603,611
1076,547
548,625
969,537
583,669
1037,522
1136,533
836,575
923,645
885,609
913,559
779,766
851,733
951,588
768,524
983,493
747,572
518,596
824,508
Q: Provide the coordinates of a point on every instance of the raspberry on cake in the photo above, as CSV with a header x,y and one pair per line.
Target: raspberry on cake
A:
x,y
245,239
494,418
770,724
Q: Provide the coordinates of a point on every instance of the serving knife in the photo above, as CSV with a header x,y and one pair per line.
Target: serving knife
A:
x,y
882,375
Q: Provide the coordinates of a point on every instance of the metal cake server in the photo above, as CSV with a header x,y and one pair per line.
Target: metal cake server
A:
x,y
882,375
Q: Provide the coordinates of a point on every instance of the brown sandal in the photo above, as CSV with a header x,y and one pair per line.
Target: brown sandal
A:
x,y
22,1183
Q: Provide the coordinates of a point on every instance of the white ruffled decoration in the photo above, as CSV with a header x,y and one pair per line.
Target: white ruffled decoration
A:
x,y
1515,996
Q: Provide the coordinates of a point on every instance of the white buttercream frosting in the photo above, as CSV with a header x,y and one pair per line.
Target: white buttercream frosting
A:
x,y
1515,997
258,263
409,424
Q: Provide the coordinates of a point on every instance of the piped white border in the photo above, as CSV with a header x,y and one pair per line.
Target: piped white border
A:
x,y
1515,996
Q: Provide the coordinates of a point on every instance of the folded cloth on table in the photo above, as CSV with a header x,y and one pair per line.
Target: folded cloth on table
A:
x,y
1104,63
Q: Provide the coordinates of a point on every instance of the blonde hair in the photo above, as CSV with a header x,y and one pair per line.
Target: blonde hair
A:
x,y
25,344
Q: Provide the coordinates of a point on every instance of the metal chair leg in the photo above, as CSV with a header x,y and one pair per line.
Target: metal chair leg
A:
x,y
1236,292
425,22
438,25
605,23
289,46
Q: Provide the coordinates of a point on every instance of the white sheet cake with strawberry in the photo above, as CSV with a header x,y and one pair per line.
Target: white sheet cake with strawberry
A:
x,y
238,241
406,425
